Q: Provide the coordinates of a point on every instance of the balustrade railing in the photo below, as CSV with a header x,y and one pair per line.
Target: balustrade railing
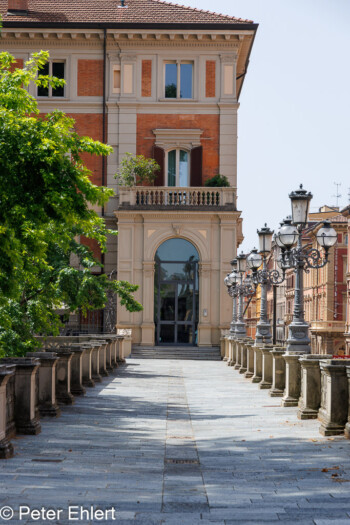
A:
x,y
176,196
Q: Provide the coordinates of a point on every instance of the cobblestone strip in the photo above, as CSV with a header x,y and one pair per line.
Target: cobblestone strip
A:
x,y
183,486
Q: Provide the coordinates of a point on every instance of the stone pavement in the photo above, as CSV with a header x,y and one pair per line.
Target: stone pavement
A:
x,y
179,443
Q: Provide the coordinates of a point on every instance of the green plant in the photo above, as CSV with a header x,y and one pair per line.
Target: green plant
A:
x,y
136,169
46,204
218,181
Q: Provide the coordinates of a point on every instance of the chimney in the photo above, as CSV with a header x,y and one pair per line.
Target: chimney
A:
x,y
18,6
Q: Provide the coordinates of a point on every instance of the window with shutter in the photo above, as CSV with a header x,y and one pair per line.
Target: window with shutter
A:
x,y
196,166
159,155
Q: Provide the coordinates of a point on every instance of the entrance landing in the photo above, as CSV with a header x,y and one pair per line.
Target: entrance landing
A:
x,y
210,353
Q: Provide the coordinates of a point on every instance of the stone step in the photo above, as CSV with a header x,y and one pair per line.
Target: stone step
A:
x,y
176,352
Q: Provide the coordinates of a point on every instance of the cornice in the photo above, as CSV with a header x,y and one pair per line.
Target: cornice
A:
x,y
179,216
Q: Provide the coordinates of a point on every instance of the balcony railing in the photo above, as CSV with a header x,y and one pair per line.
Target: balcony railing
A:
x,y
165,197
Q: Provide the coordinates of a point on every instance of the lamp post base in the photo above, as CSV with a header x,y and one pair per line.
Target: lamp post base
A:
x,y
298,338
240,330
263,333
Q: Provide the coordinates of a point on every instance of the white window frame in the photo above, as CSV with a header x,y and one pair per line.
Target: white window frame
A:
x,y
178,78
50,95
177,167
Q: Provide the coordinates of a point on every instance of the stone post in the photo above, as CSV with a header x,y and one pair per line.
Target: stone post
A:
x,y
310,390
333,413
87,364
222,344
26,419
257,376
243,367
266,376
231,351
121,358
103,358
114,352
47,383
76,386
6,449
250,360
347,426
292,389
95,362
226,348
237,352
63,376
278,372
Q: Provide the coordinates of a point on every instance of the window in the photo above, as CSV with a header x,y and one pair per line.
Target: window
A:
x,y
54,68
179,79
178,168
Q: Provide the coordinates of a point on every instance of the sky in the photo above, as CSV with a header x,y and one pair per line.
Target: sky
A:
x,y
294,116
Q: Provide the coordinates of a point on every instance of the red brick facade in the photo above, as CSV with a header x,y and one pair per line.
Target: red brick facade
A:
x,y
209,124
210,70
146,89
90,75
90,124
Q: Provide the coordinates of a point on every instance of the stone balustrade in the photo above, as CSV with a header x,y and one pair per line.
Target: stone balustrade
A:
x,y
317,384
34,386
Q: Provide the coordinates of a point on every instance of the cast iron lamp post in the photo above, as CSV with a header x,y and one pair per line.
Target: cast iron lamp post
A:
x,y
294,255
264,277
231,280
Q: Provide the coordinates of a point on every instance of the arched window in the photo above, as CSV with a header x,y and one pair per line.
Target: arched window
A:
x,y
178,168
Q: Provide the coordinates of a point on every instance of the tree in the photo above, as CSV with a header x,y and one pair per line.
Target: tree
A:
x,y
136,168
46,200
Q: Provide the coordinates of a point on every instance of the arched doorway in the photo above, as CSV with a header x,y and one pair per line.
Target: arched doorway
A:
x,y
176,293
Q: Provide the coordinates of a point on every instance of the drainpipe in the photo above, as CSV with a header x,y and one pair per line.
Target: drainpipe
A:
x,y
104,138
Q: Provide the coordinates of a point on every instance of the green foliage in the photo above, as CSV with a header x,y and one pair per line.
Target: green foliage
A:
x,y
46,200
170,91
218,181
137,169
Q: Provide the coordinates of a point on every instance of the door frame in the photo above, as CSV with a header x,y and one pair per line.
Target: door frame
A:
x,y
176,322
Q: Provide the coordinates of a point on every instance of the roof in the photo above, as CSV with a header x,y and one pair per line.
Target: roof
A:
x,y
110,11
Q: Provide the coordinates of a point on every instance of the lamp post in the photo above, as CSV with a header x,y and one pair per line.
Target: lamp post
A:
x,y
231,280
240,323
294,255
264,278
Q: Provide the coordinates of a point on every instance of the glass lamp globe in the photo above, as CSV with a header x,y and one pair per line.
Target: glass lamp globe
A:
x,y
300,205
254,260
241,263
265,239
326,236
227,280
288,234
234,264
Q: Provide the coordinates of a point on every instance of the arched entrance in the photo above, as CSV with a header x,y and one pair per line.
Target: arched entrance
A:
x,y
176,293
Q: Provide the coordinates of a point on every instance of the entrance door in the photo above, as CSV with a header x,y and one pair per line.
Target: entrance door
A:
x,y
176,298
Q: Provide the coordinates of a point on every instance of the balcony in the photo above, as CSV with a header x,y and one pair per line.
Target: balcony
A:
x,y
167,198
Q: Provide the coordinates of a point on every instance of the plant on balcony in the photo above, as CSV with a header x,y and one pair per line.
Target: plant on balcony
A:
x,y
218,181
47,201
137,169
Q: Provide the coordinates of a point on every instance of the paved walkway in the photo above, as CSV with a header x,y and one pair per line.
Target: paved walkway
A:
x,y
180,442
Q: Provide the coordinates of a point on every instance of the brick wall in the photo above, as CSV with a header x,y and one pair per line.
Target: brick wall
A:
x,y
93,245
90,78
17,65
210,70
209,124
146,78
90,124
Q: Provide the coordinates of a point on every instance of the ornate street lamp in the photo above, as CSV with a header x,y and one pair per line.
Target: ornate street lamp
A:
x,y
231,281
241,268
294,255
264,277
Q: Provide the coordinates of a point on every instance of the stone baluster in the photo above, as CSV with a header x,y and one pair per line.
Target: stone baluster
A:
x,y
87,364
237,352
278,372
26,409
250,360
76,387
95,361
63,376
292,389
243,367
310,389
334,408
266,365
257,376
47,383
6,448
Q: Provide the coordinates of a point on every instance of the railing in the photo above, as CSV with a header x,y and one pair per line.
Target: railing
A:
x,y
141,196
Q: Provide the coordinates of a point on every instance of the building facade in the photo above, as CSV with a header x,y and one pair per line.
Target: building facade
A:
x,y
161,80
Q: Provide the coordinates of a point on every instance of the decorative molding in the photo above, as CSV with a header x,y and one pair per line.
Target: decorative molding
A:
x,y
229,58
176,138
177,228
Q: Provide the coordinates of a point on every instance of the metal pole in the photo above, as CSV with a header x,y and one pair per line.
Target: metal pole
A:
x,y
234,315
274,325
240,324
